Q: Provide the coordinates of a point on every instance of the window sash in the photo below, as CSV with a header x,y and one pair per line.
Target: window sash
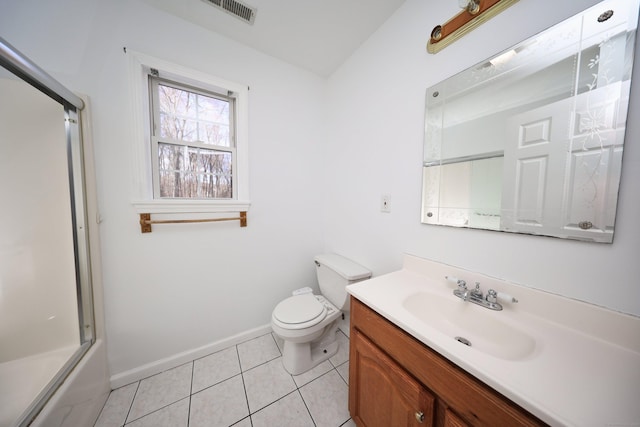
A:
x,y
212,149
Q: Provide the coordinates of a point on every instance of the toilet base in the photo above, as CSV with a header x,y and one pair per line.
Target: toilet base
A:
x,y
298,358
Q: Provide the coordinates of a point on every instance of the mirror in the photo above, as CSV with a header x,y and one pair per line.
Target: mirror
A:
x,y
531,140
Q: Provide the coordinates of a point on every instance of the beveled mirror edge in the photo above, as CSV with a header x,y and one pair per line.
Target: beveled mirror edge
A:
x,y
605,238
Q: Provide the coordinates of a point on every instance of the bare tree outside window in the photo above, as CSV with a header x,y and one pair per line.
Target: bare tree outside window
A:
x,y
194,143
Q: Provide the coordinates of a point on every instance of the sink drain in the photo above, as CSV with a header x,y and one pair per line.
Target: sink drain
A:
x,y
463,341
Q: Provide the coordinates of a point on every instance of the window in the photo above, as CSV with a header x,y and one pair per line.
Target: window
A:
x,y
193,141
190,144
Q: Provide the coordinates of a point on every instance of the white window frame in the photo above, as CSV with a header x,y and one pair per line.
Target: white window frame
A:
x,y
143,200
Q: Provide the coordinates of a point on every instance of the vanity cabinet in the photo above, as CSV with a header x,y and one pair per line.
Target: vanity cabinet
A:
x,y
384,393
395,380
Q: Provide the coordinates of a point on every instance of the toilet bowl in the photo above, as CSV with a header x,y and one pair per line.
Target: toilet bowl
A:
x,y
307,323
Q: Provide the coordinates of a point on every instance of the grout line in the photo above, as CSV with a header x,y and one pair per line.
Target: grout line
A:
x,y
158,373
244,386
155,410
216,384
343,379
193,371
159,409
306,406
241,420
276,343
257,366
131,405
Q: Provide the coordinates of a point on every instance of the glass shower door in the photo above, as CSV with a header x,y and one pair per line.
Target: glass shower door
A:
x,y
43,255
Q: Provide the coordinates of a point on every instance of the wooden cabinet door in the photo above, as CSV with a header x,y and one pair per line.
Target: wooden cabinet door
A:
x,y
452,420
382,393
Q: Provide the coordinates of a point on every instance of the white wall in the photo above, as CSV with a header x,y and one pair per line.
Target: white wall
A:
x,y
376,123
186,286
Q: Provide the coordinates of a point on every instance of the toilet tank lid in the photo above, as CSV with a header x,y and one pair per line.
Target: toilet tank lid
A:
x,y
348,269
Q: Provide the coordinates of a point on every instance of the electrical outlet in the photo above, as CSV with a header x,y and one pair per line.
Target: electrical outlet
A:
x,y
385,203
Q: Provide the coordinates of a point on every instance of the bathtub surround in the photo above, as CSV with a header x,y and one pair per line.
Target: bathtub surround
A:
x,y
321,153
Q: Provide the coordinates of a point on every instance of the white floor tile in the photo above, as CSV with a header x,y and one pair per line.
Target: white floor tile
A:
x,y
221,396
115,411
267,383
246,422
221,405
344,324
279,342
290,411
343,350
313,373
327,400
343,370
174,415
161,390
257,351
215,368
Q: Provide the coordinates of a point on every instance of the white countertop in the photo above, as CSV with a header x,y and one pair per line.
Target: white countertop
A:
x,y
584,369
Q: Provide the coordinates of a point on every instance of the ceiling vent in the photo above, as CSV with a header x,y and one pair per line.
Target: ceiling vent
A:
x,y
240,10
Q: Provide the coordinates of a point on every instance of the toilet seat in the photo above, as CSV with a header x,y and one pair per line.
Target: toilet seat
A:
x,y
299,312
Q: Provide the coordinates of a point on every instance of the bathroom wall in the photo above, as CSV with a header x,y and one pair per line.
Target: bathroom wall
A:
x,y
186,286
376,122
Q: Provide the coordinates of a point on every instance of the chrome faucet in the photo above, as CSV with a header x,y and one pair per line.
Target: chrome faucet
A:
x,y
477,297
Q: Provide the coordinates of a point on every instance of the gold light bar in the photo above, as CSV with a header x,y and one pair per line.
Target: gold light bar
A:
x,y
476,13
146,221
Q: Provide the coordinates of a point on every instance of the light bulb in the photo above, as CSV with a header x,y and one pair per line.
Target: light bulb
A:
x,y
472,6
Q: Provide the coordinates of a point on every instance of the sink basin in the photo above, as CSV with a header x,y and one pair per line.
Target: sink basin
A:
x,y
472,325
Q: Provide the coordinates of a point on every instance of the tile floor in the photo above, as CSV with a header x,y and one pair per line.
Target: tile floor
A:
x,y
244,385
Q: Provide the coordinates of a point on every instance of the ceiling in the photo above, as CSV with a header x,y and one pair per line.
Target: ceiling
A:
x,y
315,35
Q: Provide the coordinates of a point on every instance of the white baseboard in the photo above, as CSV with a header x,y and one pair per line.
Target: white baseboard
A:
x,y
144,371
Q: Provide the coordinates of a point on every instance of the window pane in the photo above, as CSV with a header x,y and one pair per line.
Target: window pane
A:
x,y
216,134
191,172
189,116
170,157
178,128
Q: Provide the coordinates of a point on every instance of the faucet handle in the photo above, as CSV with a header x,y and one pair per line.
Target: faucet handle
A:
x,y
492,296
462,289
461,283
504,297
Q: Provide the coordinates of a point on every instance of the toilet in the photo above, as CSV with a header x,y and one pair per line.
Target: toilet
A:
x,y
308,323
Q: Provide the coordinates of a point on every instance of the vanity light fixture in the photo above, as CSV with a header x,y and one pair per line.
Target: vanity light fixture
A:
x,y
475,13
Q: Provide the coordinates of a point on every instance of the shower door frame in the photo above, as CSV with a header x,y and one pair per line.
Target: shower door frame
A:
x,y
21,66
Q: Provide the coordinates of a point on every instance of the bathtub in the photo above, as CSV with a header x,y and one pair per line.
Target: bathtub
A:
x,y
78,400
21,380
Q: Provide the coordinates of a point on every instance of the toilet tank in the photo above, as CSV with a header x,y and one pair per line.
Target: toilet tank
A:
x,y
334,273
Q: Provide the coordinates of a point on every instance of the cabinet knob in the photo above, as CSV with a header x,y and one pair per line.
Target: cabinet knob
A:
x,y
420,417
